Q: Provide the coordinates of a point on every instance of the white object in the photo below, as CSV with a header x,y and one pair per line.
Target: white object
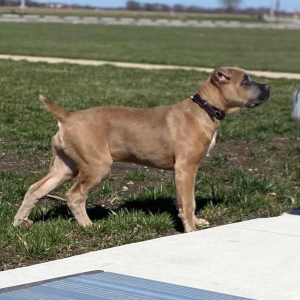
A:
x,y
296,106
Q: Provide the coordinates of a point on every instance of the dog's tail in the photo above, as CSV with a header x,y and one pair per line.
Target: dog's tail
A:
x,y
60,113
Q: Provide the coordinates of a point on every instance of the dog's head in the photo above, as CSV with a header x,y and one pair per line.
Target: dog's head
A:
x,y
237,89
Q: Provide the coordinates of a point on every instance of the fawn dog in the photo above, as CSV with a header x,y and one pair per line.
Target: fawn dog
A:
x,y
174,137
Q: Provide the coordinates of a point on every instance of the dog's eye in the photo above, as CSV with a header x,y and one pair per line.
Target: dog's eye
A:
x,y
246,80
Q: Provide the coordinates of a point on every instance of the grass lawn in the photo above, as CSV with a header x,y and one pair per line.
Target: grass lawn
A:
x,y
274,50
253,171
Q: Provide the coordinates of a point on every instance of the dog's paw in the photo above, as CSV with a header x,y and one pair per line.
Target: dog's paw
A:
x,y
201,222
23,222
188,229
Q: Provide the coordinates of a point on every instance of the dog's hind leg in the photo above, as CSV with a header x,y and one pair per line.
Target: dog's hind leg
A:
x,y
62,170
90,176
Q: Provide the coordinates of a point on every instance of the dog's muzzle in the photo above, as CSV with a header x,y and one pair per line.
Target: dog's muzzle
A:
x,y
262,98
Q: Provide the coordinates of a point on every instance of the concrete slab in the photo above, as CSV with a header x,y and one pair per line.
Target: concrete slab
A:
x,y
257,259
32,17
192,23
145,22
11,16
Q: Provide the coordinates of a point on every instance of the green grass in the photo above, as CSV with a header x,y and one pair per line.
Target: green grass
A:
x,y
28,127
273,50
55,231
253,174
294,150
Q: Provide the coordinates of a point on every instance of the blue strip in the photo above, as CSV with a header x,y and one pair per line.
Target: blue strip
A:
x,y
110,286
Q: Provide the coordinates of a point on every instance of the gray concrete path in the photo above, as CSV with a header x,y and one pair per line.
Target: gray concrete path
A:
x,y
85,62
258,259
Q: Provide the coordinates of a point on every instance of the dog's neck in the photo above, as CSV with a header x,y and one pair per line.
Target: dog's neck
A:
x,y
213,96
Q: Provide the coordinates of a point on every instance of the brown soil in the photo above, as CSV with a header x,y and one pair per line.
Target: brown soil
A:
x,y
238,152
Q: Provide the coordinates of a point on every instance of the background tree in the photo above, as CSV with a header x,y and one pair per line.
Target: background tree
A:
x,y
133,5
231,5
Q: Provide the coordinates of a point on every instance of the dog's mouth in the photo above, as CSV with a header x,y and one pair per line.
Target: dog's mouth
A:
x,y
254,103
262,98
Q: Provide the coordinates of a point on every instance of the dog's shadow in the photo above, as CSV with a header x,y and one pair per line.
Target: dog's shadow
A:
x,y
148,206
61,210
168,205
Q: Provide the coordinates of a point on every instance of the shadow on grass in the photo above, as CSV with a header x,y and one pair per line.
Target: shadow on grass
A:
x,y
168,205
56,211
149,205
51,212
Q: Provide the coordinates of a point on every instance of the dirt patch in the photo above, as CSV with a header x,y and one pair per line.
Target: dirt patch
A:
x,y
9,161
253,157
237,152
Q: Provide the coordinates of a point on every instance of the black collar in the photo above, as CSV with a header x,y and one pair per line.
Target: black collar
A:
x,y
213,111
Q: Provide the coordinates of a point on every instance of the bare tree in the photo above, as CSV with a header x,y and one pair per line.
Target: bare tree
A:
x,y
133,5
231,5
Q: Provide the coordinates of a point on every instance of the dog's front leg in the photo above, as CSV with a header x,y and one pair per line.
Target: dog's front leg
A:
x,y
185,173
212,143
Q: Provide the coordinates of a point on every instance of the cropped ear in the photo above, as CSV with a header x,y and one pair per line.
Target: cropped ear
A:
x,y
222,75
